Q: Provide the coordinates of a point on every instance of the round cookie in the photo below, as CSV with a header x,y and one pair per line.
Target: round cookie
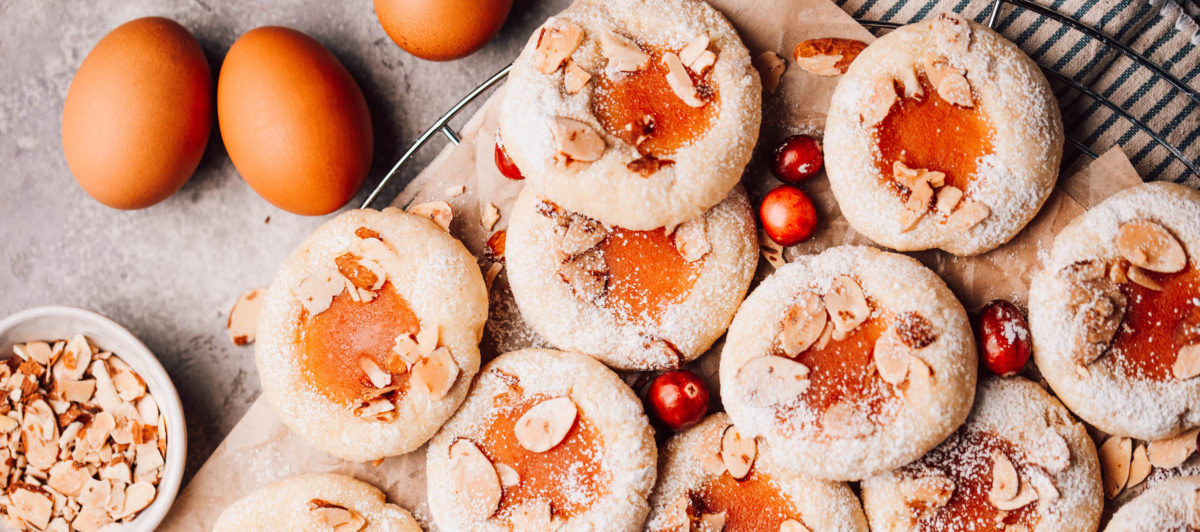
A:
x,y
315,502
696,485
638,113
942,134
1021,460
1115,313
547,440
369,335
1172,505
633,299
851,362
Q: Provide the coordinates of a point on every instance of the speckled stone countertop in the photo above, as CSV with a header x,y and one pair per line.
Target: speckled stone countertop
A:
x,y
170,273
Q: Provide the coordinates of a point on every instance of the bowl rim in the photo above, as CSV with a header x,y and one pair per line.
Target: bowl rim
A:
x,y
162,388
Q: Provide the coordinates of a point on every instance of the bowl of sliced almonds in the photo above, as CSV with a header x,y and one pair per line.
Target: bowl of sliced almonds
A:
x,y
92,433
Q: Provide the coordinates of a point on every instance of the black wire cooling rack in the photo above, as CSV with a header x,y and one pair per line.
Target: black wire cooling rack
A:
x,y
442,125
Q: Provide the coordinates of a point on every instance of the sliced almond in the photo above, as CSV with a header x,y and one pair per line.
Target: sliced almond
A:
x,y
1027,495
508,476
948,198
772,380
712,522
908,219
586,275
879,102
435,373
676,517
580,235
556,42
1187,362
968,215
1151,246
738,452
891,358
691,239
771,250
680,81
439,211
1047,492
30,504
770,69
623,54
802,324
75,359
243,318
827,57
316,292
138,496
927,493
455,191
378,377
363,273
692,50
376,409
705,61
546,424
920,197
576,141
531,516
1115,456
489,278
1139,466
953,32
846,421
792,525
1005,482
847,304
1169,453
474,480
952,86
1142,277
575,78
490,216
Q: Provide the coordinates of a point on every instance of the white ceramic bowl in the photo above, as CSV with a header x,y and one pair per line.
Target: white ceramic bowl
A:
x,y
56,323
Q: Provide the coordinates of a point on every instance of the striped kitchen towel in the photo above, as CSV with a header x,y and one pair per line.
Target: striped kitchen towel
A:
x,y
1165,31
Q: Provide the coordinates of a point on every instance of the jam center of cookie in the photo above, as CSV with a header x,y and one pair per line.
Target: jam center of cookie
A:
x,y
569,476
1157,324
968,462
622,102
646,274
753,503
332,342
929,133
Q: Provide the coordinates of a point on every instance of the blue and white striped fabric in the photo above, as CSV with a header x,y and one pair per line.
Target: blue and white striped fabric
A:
x,y
1163,30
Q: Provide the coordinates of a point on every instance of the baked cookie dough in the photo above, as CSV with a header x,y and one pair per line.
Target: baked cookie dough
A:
x,y
316,502
942,134
1021,462
1115,313
633,299
547,440
712,475
1172,505
369,335
637,113
850,363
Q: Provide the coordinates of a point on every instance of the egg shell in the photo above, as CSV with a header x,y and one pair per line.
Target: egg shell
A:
x,y
441,30
293,120
138,113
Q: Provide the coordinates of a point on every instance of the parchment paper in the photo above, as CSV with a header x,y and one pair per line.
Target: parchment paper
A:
x,y
260,449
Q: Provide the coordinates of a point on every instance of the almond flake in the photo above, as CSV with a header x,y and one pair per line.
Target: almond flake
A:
x,y
792,525
705,61
953,32
137,497
711,522
968,215
1187,362
680,81
68,477
1025,496
927,493
907,76
844,420
1005,482
575,78
802,324
691,240
770,69
1115,456
1151,246
556,42
738,452
508,476
376,409
1169,453
771,250
427,338
75,359
243,318
489,278
30,504
1142,277
693,49
474,479
435,373
891,358
827,57
316,292
948,198
847,305
586,275
623,55
1139,466
1117,272
490,216
439,211
377,376
546,424
580,235
880,101
950,83
772,380
531,516
455,191
576,141
711,461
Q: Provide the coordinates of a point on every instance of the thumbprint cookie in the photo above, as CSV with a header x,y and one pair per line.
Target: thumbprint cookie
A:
x,y
1170,506
316,502
942,134
1115,313
712,477
547,440
369,335
851,362
638,113
1020,463
632,299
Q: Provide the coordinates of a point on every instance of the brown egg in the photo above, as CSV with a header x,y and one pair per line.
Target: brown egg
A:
x,y
293,120
441,30
138,114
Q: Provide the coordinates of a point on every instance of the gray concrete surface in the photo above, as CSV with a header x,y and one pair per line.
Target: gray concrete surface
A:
x,y
171,272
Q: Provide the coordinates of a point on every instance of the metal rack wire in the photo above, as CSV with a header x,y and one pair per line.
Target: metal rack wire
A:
x,y
442,125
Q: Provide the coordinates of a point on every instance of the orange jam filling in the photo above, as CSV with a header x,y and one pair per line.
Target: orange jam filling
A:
x,y
968,462
1157,324
842,372
332,342
646,274
628,97
569,476
750,504
927,132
